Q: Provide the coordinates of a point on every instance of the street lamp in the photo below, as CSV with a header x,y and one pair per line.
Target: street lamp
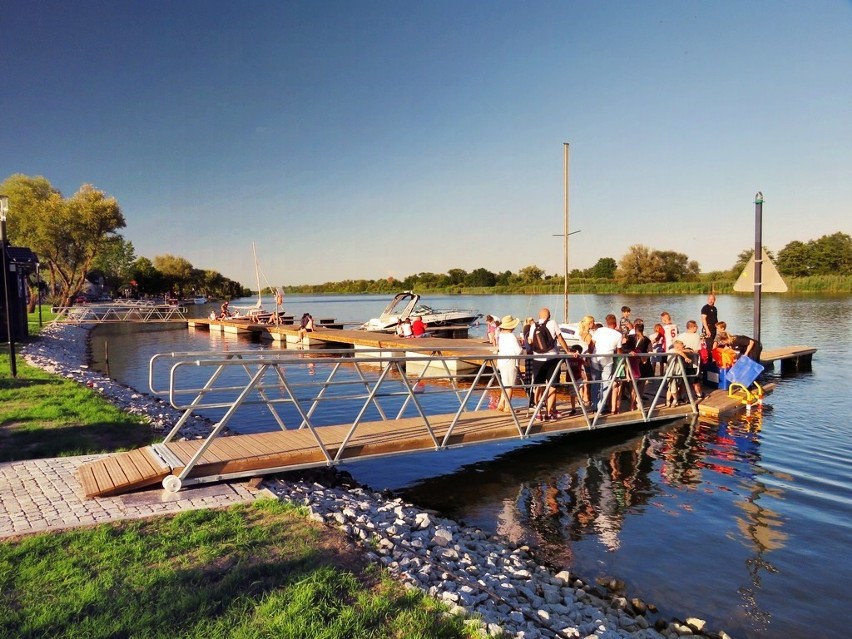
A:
x,y
4,209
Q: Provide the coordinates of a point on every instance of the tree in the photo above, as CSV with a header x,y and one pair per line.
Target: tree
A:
x,y
148,280
530,274
67,234
604,269
640,265
481,277
177,272
677,266
457,276
115,261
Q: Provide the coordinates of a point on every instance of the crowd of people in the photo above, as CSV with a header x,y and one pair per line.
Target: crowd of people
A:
x,y
603,380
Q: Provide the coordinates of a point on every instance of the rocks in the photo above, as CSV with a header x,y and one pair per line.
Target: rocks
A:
x,y
63,350
504,588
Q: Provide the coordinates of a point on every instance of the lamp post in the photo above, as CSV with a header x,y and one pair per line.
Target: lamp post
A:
x,y
4,209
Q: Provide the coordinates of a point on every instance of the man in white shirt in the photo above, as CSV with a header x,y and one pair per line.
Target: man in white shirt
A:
x,y
692,344
607,342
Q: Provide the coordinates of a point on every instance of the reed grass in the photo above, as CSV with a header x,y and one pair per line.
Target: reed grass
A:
x,y
260,570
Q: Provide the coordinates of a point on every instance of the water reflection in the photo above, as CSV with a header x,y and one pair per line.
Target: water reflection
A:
x,y
613,490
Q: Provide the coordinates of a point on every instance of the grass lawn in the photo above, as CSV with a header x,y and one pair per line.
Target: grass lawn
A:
x,y
262,570
44,415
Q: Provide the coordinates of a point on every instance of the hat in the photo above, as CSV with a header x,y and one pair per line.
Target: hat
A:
x,y
508,322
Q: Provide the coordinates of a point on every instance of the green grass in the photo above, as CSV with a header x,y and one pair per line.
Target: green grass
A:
x,y
44,415
253,571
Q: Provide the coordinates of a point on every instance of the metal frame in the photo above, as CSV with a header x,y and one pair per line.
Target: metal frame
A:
x,y
119,312
379,376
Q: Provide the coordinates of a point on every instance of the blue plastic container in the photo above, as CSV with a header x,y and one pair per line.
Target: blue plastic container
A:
x,y
744,372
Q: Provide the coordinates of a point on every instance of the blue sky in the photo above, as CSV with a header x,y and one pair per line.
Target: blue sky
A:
x,y
373,139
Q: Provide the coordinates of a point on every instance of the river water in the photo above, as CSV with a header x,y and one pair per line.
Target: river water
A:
x,y
746,523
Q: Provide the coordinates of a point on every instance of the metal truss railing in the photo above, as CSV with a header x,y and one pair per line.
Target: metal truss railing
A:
x,y
368,381
119,312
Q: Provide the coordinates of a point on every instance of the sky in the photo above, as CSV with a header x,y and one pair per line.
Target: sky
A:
x,y
370,139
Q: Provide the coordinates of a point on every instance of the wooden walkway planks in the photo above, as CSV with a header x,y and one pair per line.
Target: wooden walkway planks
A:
x,y
122,472
242,453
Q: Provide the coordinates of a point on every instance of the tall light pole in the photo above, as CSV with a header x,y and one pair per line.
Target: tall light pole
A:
x,y
4,209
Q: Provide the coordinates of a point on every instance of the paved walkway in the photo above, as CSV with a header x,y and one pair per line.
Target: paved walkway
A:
x,y
44,494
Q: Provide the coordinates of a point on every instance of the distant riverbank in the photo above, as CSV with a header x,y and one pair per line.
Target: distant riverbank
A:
x,y
816,284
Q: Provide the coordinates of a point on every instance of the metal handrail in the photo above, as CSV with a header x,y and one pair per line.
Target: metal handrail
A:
x,y
110,312
379,375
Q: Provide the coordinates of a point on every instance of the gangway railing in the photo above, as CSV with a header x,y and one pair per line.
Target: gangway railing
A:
x,y
373,386
119,312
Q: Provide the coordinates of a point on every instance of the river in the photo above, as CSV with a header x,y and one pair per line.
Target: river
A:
x,y
746,523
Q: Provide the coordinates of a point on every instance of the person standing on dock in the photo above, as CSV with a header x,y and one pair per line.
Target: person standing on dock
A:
x,y
709,319
545,364
507,344
608,340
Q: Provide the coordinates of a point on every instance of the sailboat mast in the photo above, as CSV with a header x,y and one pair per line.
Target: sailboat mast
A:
x,y
565,230
257,276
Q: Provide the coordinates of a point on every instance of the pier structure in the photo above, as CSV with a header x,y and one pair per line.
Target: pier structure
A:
x,y
390,408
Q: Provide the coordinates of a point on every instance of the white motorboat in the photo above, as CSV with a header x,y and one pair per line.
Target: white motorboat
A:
x,y
407,305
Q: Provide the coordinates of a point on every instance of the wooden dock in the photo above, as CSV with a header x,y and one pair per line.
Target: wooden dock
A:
x,y
279,451
793,359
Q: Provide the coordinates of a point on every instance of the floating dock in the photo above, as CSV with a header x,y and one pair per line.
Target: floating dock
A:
x,y
394,412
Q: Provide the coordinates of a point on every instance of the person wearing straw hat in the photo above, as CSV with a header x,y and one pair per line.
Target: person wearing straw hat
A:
x,y
508,345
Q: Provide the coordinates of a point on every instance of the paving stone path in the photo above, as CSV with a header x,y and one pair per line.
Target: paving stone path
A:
x,y
44,494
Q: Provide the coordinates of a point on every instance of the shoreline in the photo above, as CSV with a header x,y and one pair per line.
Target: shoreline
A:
x,y
475,574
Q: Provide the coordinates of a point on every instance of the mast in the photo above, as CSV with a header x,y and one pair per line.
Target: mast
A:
x,y
565,229
257,276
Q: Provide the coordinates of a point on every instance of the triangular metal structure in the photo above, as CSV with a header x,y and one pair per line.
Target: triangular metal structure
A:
x,y
771,280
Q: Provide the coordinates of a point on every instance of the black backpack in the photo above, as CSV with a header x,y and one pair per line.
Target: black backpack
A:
x,y
542,340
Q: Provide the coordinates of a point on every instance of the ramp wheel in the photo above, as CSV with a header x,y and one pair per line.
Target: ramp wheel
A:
x,y
172,484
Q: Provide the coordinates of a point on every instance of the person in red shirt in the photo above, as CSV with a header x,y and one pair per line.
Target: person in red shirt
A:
x,y
418,328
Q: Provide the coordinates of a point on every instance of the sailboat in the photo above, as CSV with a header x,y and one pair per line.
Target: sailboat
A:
x,y
256,312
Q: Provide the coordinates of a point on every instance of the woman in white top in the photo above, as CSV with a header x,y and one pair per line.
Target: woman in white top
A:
x,y
507,344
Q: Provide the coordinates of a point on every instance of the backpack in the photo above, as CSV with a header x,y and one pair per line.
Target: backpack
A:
x,y
542,340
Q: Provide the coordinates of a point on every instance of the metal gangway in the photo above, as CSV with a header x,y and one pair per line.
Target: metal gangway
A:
x,y
109,312
389,410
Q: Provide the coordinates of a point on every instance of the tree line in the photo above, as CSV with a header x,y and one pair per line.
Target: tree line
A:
x,y
829,255
77,238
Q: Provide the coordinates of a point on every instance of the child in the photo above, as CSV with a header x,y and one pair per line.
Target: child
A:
x,y
673,388
578,371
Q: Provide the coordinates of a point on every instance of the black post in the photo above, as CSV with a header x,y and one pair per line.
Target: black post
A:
x,y
38,292
13,367
758,262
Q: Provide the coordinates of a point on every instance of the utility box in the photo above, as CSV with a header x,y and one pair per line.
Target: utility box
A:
x,y
19,262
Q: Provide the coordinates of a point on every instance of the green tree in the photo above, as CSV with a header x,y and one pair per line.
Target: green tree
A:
x,y
66,233
677,266
115,261
177,272
531,274
481,277
457,276
640,265
148,280
604,269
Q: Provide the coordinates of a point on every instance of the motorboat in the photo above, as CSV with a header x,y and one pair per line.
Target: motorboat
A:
x,y
406,305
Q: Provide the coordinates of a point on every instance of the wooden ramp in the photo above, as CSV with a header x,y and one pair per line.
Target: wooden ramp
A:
x,y
292,449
